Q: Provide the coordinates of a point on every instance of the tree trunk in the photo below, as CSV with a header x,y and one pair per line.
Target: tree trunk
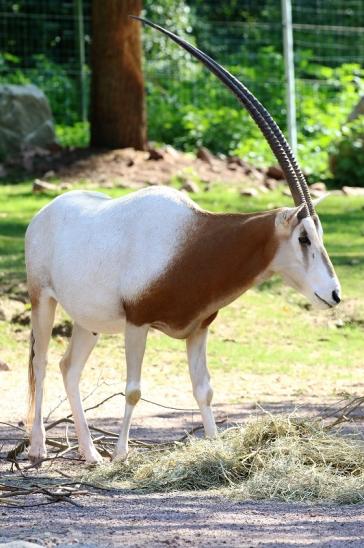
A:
x,y
117,87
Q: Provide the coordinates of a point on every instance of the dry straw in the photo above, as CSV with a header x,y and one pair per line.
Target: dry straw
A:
x,y
273,457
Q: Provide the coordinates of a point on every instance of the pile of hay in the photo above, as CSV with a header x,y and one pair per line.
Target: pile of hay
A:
x,y
280,457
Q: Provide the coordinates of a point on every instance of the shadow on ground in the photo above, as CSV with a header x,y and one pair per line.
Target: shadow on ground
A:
x,y
114,518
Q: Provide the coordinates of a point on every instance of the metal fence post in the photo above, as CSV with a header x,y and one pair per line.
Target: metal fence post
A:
x,y
289,71
80,39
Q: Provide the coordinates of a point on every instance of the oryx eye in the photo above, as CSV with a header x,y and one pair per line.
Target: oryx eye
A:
x,y
304,240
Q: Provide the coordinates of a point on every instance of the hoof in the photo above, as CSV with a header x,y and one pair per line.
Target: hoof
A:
x,y
37,458
119,456
92,456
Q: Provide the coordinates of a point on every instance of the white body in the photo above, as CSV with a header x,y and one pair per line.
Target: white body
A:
x,y
98,257
91,252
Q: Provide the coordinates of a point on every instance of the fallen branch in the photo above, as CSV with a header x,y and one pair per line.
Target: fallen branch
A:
x,y
68,419
344,414
55,493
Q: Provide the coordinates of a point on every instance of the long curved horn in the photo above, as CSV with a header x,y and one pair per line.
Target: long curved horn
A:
x,y
260,115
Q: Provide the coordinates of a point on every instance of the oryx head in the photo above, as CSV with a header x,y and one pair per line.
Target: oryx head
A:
x,y
301,257
302,260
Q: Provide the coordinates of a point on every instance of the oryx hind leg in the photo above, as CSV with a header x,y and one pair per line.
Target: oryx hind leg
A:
x,y
43,310
80,347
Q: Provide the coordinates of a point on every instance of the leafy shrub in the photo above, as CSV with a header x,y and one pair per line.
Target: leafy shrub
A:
x,y
347,154
77,135
192,109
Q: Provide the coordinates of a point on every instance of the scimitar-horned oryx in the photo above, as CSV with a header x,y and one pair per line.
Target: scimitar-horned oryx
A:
x,y
156,259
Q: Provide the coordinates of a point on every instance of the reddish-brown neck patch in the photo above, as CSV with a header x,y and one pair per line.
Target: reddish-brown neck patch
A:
x,y
222,255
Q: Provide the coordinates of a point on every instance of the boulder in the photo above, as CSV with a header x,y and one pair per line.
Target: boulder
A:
x,y
251,192
190,186
318,187
205,155
25,119
353,190
156,154
43,186
275,172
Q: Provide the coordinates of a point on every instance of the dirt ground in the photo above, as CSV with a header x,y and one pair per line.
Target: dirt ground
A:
x,y
133,169
181,519
115,518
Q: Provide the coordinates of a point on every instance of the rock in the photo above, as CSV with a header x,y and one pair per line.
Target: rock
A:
x,y
205,155
319,186
336,324
172,151
42,186
353,190
275,172
4,366
239,162
270,183
257,175
316,193
65,186
190,186
25,118
155,154
251,192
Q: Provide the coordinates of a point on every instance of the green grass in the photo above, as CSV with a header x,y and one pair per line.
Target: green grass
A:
x,y
270,337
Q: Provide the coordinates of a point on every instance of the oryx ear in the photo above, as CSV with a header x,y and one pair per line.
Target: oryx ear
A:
x,y
287,218
320,198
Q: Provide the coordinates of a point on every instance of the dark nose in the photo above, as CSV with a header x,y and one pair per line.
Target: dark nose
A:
x,y
336,297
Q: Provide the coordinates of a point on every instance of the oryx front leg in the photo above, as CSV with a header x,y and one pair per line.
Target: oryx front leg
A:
x,y
42,322
196,352
81,344
135,340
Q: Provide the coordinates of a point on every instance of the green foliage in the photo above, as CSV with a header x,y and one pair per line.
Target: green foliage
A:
x,y
347,154
77,135
196,110
175,15
326,97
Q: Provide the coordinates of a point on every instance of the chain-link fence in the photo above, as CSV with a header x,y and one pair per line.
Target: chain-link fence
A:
x,y
48,42
42,41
